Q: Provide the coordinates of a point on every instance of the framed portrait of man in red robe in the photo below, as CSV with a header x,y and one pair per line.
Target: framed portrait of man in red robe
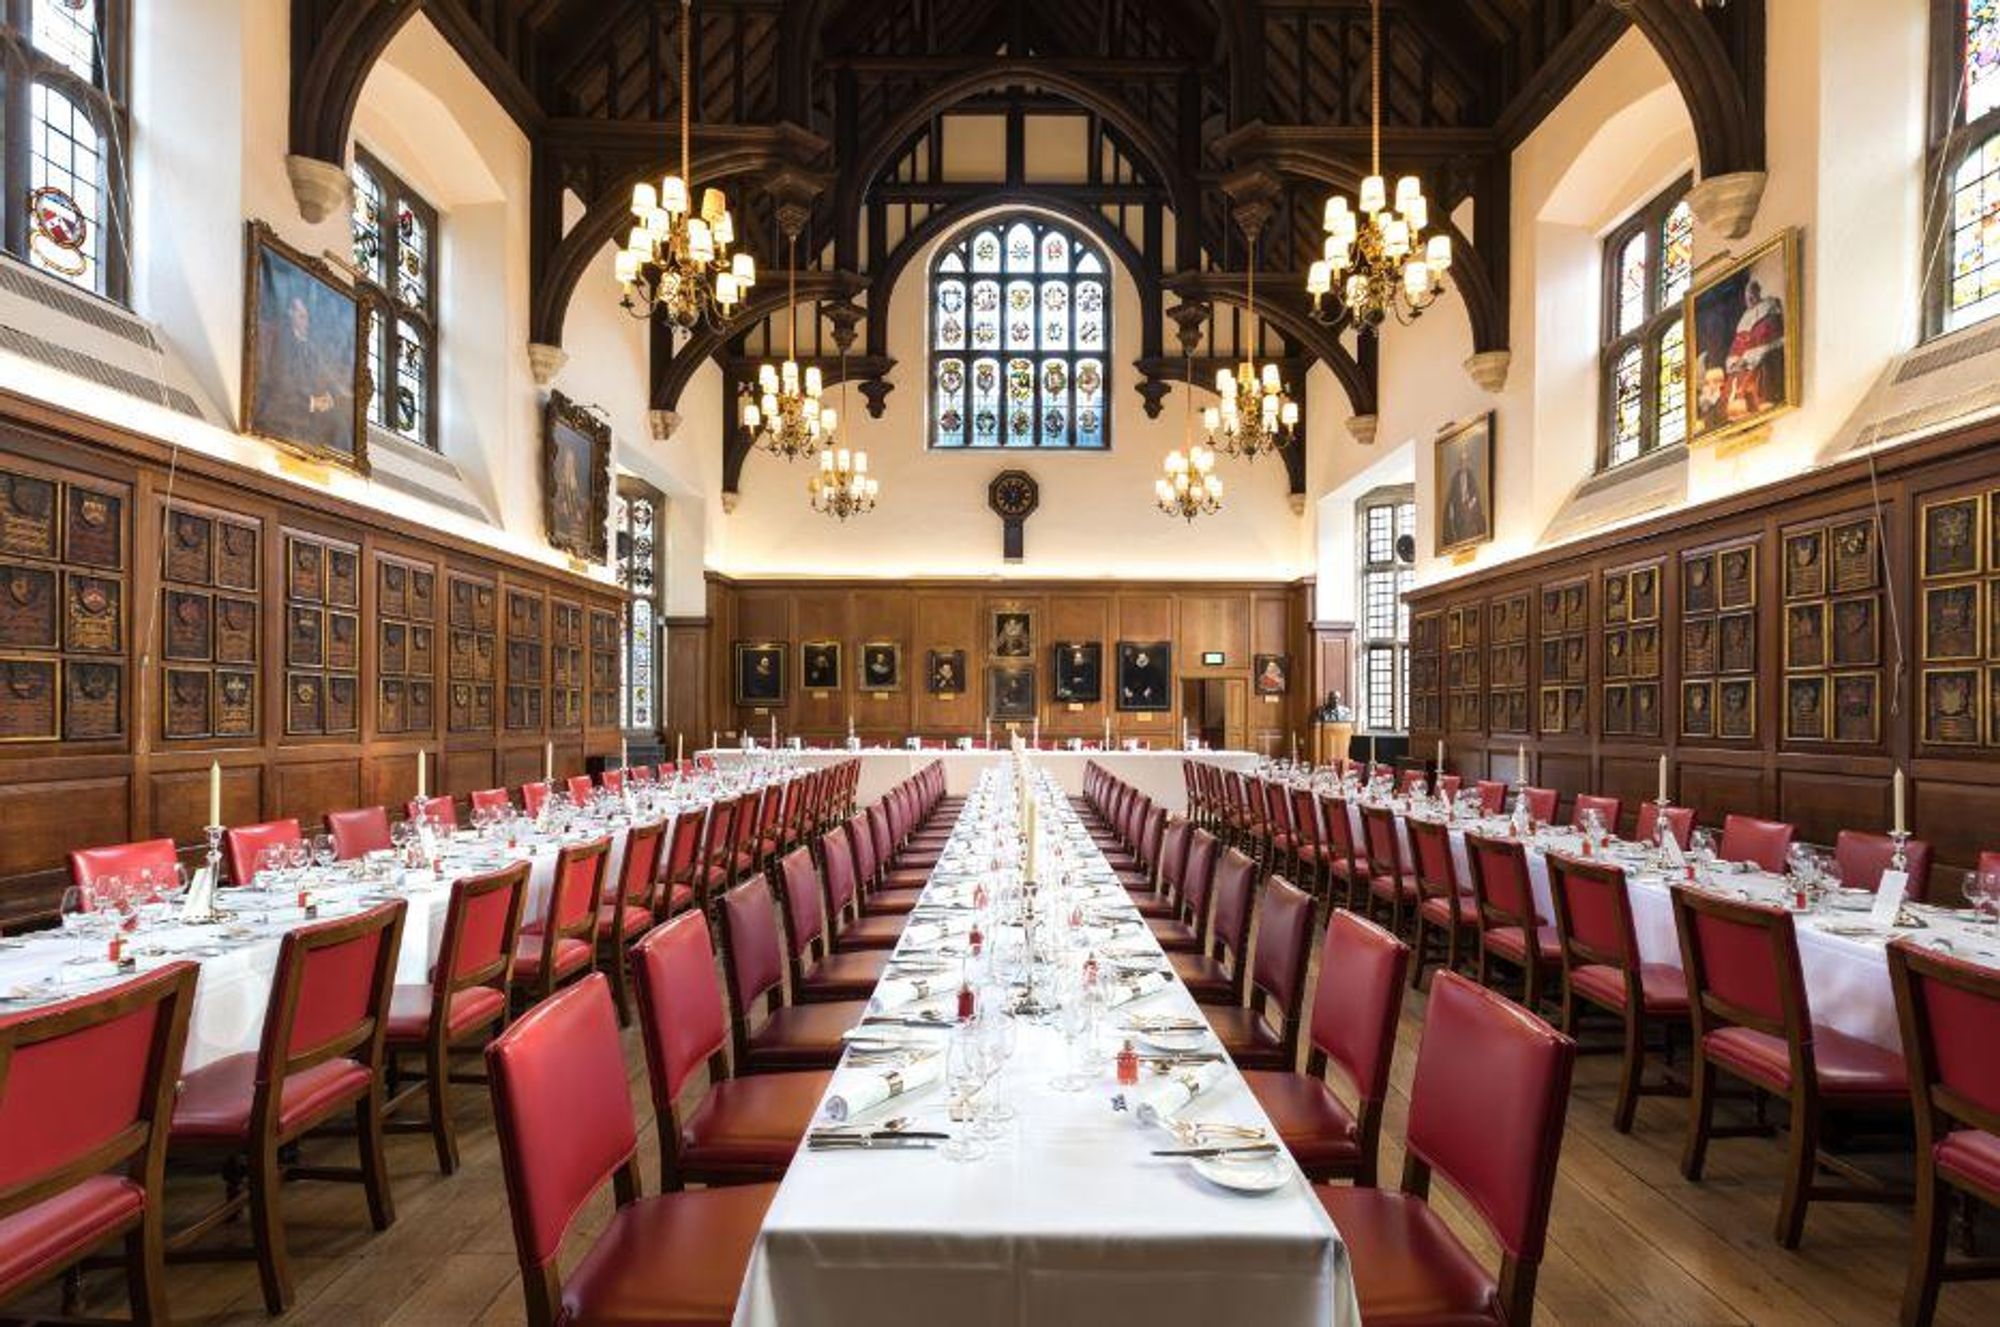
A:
x,y
1743,344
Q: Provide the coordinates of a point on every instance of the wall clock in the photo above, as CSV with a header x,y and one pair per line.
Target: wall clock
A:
x,y
1013,495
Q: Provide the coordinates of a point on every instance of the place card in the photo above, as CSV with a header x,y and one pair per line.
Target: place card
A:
x,y
1889,897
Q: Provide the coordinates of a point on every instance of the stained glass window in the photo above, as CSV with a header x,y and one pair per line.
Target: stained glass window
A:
x,y
1982,57
1975,237
394,234
1019,333
1964,280
635,515
1648,267
74,134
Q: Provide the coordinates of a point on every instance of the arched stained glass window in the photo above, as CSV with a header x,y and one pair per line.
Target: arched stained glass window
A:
x,y
395,255
1020,333
1962,241
62,73
1642,361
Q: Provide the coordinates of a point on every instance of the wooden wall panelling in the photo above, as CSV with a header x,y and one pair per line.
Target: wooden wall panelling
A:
x,y
1807,744
883,617
949,621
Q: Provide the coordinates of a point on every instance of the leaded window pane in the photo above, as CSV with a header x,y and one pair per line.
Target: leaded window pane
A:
x,y
1982,57
66,151
1676,253
1671,381
1627,405
1632,284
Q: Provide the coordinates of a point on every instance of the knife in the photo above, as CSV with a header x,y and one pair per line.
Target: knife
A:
x,y
893,1142
1205,1153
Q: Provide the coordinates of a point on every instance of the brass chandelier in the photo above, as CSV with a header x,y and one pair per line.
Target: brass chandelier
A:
x,y
1190,487
677,262
787,419
1377,261
1255,415
842,487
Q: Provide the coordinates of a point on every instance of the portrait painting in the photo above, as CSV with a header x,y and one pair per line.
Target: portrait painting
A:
x,y
1079,672
305,375
1010,691
576,478
881,666
1145,673
1013,634
1464,514
760,673
819,665
1271,675
1743,361
945,672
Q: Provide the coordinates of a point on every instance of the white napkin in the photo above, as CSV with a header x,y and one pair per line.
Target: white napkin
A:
x,y
918,935
199,904
858,1090
895,992
1125,992
1159,1097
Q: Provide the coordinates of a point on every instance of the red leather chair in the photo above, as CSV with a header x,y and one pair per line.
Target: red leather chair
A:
x,y
1159,901
358,832
441,811
1751,1020
1492,796
320,1057
1265,1035
491,799
1748,839
86,1089
244,846
1215,975
1355,1008
678,884
1487,1104
817,973
1511,927
534,796
1608,810
1448,786
852,930
1447,906
559,1072
1188,933
626,912
1680,822
1601,966
1542,804
741,1130
1348,867
463,1004
1862,858
612,780
790,1036
1950,1015
1391,883
87,866
561,945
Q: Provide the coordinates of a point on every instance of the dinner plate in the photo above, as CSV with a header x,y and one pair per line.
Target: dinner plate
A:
x,y
1245,1175
1173,1042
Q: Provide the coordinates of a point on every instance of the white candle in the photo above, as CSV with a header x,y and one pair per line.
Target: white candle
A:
x,y
1038,732
774,732
1900,828
549,761
711,739
422,782
215,792
1440,759
1663,779
1521,762
679,748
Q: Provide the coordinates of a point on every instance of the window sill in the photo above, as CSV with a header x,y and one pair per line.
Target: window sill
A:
x,y
1654,482
1660,458
408,467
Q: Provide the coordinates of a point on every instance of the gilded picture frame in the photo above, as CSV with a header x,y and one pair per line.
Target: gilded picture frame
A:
x,y
1734,328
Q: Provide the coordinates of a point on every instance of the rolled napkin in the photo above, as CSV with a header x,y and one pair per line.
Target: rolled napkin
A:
x,y
1159,1097
199,903
895,992
858,1090
919,935
1132,988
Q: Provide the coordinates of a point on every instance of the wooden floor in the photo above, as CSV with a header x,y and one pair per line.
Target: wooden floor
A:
x,y
1631,1243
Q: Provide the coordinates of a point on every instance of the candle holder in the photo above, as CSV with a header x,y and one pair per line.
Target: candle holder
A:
x,y
213,864
1898,858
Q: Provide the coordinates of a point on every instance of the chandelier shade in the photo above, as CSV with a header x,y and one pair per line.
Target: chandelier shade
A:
x,y
785,417
1255,415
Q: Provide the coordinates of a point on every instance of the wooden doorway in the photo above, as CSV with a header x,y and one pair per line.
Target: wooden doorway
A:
x,y
1217,710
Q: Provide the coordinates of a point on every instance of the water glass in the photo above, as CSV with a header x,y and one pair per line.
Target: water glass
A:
x,y
964,1074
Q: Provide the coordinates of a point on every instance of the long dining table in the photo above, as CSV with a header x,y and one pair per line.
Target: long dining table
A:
x,y
1069,1218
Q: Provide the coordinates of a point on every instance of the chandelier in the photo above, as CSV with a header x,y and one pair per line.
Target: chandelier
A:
x,y
1255,416
786,419
1190,487
842,487
1376,256
676,262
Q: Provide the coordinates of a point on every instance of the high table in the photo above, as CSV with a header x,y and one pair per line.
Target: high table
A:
x,y
1068,1220
1157,774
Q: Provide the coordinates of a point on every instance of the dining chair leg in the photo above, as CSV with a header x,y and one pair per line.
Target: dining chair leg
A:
x,y
1701,1111
1927,1246
267,1228
1802,1158
1418,953
1630,1071
437,1068
374,1169
145,1269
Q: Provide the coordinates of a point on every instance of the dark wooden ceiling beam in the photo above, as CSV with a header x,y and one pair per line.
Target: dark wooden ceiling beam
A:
x,y
1581,48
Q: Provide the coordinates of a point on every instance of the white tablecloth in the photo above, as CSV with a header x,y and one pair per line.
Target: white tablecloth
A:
x,y
1154,773
1846,976
1067,1221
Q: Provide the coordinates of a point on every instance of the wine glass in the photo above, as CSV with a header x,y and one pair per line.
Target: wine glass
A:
x,y
997,1035
965,1074
74,911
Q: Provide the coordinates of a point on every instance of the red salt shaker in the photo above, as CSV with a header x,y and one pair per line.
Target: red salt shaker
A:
x,y
1128,1065
967,1002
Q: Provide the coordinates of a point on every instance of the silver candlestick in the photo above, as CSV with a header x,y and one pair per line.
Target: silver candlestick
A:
x,y
1899,859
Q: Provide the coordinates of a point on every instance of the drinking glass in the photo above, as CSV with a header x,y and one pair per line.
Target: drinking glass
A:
x,y
964,1074
997,1036
76,919
1073,1016
322,851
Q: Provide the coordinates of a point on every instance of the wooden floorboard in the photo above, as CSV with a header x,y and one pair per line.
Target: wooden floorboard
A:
x,y
1630,1241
